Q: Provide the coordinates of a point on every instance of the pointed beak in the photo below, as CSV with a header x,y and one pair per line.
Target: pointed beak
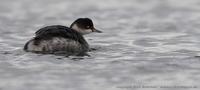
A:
x,y
98,31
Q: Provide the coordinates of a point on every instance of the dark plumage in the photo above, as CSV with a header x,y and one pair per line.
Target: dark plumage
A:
x,y
58,38
59,31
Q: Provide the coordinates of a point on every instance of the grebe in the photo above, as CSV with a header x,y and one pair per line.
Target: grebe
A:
x,y
62,39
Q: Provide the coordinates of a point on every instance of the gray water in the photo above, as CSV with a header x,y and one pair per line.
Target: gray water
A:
x,y
146,45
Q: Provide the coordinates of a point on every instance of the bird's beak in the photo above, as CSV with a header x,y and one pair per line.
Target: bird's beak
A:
x,y
95,30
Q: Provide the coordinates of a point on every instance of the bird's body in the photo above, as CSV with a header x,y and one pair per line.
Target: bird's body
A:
x,y
60,39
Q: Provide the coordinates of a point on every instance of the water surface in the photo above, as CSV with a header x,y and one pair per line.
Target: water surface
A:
x,y
151,43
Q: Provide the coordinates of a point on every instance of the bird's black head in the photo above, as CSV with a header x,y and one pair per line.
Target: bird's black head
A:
x,y
84,26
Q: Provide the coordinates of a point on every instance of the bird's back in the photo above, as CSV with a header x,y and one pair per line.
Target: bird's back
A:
x,y
57,38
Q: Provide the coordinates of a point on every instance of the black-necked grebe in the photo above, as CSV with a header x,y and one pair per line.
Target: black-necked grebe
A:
x,y
57,38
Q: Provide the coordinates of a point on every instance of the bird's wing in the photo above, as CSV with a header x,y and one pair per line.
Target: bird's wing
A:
x,y
59,31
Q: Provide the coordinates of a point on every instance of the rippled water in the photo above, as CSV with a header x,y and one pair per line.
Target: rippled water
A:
x,y
151,43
